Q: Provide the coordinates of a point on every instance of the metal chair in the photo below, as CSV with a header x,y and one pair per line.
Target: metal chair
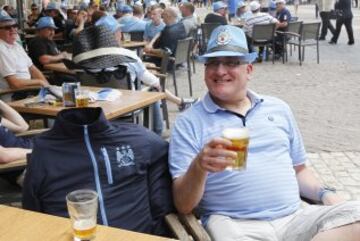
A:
x,y
293,31
137,36
263,35
182,55
206,30
309,36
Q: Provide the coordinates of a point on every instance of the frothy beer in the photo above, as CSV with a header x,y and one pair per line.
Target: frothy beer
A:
x,y
84,229
239,138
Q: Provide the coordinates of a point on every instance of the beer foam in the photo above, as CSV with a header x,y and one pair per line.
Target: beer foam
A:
x,y
84,224
235,133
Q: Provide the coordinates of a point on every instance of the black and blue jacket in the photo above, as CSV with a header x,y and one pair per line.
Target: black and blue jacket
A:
x,y
125,163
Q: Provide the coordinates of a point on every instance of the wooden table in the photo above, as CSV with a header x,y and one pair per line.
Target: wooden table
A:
x,y
15,165
22,225
128,102
133,44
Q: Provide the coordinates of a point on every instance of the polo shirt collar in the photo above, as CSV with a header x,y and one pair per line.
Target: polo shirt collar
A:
x,y
211,107
7,44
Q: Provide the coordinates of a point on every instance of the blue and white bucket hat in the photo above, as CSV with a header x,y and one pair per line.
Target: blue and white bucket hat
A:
x,y
228,41
45,22
5,19
218,5
51,6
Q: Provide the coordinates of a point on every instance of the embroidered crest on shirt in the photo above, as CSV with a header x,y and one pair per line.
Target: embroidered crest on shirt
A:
x,y
223,38
125,156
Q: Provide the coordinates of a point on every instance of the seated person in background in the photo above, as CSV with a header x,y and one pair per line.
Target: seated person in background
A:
x,y
118,12
138,11
53,11
219,14
33,16
82,20
129,22
262,201
156,25
43,50
242,13
168,37
17,70
124,163
257,17
188,19
283,15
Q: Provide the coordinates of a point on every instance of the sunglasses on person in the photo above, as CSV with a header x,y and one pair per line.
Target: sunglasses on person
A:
x,y
9,27
33,9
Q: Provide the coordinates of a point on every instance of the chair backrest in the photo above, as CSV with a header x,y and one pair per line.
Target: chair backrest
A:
x,y
118,79
137,36
263,32
294,27
310,31
206,30
183,49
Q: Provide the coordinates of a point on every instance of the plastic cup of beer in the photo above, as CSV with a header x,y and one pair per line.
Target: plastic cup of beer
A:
x,y
82,207
82,97
127,37
239,138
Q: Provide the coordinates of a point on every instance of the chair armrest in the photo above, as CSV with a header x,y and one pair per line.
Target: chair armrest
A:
x,y
159,75
291,34
31,132
194,227
24,89
176,227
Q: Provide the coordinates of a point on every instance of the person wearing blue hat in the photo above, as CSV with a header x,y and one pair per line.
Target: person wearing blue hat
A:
x,y
17,70
261,200
53,11
219,14
43,49
129,22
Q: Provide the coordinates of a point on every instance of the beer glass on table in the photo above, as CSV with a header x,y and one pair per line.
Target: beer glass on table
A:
x,y
239,138
82,207
82,97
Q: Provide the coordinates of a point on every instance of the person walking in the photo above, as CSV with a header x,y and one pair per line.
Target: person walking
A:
x,y
325,6
345,17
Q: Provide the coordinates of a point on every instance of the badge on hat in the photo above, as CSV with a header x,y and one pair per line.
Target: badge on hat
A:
x,y
223,37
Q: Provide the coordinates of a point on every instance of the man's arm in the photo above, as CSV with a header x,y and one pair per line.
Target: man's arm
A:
x,y
48,59
188,189
37,78
150,46
310,186
11,154
12,119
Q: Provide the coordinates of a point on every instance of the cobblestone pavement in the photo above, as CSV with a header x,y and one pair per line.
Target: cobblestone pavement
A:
x,y
323,97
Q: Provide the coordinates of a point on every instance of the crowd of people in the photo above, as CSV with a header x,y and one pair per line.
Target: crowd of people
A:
x,y
138,176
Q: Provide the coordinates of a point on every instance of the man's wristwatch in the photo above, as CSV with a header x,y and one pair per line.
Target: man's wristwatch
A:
x,y
323,190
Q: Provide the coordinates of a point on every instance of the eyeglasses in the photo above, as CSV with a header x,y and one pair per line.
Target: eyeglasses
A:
x,y
227,64
9,27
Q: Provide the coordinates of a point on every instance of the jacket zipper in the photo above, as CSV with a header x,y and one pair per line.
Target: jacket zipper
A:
x,y
96,175
107,164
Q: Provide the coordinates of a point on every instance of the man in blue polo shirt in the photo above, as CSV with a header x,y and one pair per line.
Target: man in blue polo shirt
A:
x,y
261,202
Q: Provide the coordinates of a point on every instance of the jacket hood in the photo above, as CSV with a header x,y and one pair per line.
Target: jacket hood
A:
x,y
72,121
